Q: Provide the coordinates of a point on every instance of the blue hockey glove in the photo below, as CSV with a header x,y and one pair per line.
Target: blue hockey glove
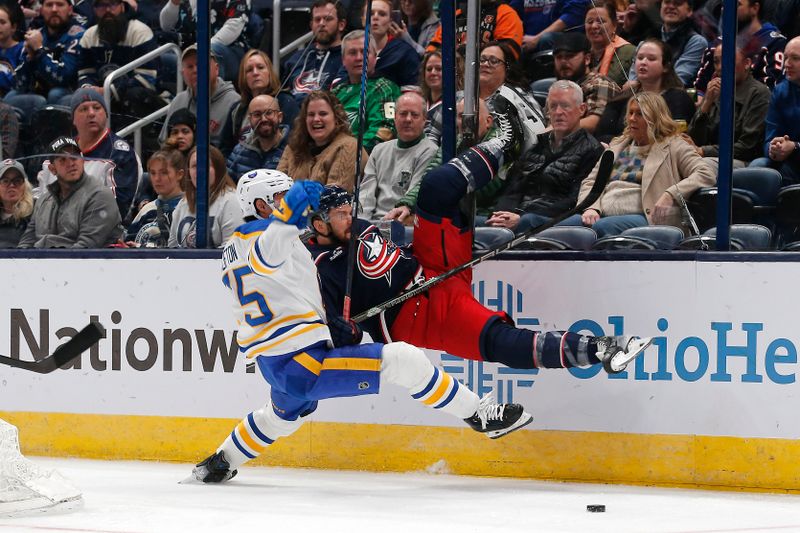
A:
x,y
344,332
298,203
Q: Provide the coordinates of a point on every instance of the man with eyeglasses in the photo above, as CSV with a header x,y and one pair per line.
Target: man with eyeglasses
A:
x,y
222,93
547,182
264,145
782,136
75,211
572,53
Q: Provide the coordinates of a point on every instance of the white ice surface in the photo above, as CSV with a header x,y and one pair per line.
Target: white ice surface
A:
x,y
126,497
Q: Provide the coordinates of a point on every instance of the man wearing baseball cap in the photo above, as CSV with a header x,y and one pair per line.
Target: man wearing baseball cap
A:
x,y
223,95
75,211
572,54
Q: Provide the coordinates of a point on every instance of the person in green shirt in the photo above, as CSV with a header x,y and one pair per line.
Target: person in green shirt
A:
x,y
380,92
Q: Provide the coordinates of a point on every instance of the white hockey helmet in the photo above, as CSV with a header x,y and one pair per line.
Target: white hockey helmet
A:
x,y
263,184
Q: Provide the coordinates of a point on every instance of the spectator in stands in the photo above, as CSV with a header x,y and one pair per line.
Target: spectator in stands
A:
x,y
182,126
150,228
397,165
224,213
16,201
782,135
315,67
113,42
542,20
503,86
678,33
546,184
11,50
762,42
418,25
397,60
641,20
751,104
75,211
229,20
256,77
612,56
320,145
49,70
264,145
381,93
430,83
9,131
223,95
655,73
654,170
498,22
405,207
572,54
97,141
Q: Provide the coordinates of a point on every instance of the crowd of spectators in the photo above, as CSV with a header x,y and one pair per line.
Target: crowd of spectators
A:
x,y
641,78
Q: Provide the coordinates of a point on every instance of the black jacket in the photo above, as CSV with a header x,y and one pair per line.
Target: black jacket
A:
x,y
547,182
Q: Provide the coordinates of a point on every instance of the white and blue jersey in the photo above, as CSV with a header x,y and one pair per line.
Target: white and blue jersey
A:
x,y
274,283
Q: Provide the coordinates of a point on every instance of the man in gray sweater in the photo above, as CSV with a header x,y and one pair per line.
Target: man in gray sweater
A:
x,y
396,166
223,95
75,211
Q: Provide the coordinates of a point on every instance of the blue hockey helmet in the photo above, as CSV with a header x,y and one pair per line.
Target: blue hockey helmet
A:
x,y
332,197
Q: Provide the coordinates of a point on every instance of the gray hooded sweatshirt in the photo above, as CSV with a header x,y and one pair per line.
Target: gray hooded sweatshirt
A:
x,y
222,100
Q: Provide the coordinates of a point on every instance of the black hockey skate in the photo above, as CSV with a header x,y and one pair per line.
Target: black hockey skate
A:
x,y
498,419
214,469
617,352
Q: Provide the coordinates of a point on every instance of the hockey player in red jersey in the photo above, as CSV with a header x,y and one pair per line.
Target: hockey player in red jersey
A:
x,y
446,317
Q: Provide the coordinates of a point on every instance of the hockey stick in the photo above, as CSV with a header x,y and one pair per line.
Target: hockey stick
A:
x,y
600,182
362,118
65,353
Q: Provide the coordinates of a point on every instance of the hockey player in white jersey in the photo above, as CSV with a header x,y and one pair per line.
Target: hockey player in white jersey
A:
x,y
283,326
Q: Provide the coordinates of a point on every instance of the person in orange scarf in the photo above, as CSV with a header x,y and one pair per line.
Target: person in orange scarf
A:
x,y
612,55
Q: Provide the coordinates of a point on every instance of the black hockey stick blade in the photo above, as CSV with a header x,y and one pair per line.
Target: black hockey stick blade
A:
x,y
82,341
604,169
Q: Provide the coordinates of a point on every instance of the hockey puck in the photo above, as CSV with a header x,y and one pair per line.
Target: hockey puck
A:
x,y
596,508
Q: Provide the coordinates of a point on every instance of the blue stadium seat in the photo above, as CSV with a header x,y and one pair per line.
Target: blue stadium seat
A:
x,y
703,207
574,237
752,236
787,214
762,182
624,242
698,242
488,238
664,237
540,87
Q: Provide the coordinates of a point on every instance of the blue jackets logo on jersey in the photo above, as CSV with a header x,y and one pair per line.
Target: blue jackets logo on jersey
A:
x,y
376,256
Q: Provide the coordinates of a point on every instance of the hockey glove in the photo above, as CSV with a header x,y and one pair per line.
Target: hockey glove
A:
x,y
344,332
298,203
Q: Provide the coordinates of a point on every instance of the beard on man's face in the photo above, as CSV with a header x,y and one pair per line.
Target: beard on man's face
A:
x,y
112,29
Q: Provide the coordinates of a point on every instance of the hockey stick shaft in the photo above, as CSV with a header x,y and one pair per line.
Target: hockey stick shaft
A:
x,y
362,118
82,341
603,173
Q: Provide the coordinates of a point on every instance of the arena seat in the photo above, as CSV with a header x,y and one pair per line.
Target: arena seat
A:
x,y
664,237
624,242
698,242
787,214
487,238
561,238
752,236
703,207
540,87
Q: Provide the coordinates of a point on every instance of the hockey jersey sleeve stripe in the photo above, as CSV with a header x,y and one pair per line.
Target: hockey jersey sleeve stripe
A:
x,y
265,333
259,264
264,347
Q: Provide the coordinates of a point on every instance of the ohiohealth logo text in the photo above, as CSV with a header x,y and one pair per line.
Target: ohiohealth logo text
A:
x,y
738,352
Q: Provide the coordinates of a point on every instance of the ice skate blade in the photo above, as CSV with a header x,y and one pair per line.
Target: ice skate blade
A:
x,y
522,421
191,480
619,361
